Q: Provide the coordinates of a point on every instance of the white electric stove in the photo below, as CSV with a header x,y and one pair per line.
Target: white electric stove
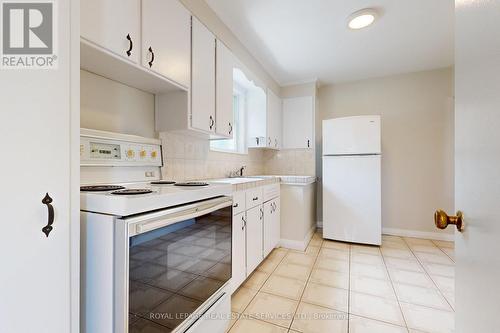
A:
x,y
156,254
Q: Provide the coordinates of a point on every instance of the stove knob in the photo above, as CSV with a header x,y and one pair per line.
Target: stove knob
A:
x,y
130,153
154,154
143,153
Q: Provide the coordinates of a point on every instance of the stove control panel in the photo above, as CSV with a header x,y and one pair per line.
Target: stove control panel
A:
x,y
102,151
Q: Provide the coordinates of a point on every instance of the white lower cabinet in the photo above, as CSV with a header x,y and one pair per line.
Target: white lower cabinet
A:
x,y
239,265
256,229
255,219
271,225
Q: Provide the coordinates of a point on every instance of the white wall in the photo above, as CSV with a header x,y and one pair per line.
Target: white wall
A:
x,y
417,141
111,106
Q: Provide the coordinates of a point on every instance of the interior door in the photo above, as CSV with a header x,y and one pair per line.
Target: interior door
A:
x,y
113,25
477,160
202,78
166,29
254,238
39,129
224,91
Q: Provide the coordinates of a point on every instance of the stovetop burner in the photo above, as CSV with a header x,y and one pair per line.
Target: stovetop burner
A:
x,y
163,182
193,184
132,191
100,188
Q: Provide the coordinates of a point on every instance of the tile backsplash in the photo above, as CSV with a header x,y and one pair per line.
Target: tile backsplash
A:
x,y
190,158
290,162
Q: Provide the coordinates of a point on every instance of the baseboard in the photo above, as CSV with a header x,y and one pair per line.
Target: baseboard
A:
x,y
418,234
298,245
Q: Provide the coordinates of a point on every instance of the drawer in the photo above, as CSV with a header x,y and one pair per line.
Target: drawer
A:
x,y
270,192
238,202
254,197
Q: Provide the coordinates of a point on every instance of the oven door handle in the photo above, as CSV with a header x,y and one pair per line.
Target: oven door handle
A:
x,y
175,215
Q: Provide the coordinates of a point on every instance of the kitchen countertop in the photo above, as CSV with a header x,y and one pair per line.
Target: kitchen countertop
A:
x,y
244,183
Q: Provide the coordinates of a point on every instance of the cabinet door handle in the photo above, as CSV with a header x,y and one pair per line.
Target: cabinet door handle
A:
x,y
257,139
152,57
255,199
212,122
235,205
242,223
130,45
269,142
261,213
230,129
47,200
308,143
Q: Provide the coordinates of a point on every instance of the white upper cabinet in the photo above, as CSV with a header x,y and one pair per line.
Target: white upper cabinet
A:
x,y
202,78
166,39
274,121
113,25
224,91
298,122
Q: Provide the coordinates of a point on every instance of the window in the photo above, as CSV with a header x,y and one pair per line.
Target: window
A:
x,y
237,143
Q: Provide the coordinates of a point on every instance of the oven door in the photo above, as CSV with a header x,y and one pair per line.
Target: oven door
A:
x,y
179,260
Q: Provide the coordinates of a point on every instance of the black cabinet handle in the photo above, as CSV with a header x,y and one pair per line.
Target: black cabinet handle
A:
x,y
261,213
230,129
150,63
130,45
269,142
255,199
257,139
308,143
47,200
235,205
212,122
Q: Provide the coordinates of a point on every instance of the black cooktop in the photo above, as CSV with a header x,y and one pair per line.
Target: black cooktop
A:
x,y
100,188
132,191
163,182
192,184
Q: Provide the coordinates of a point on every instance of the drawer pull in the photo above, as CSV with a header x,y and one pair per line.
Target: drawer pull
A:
x,y
235,205
255,199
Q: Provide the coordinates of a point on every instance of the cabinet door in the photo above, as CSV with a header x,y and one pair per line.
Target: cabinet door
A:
x,y
298,122
166,39
268,227
254,237
224,91
113,25
202,78
274,122
239,251
39,116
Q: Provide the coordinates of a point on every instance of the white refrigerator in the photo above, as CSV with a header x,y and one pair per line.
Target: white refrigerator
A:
x,y
352,180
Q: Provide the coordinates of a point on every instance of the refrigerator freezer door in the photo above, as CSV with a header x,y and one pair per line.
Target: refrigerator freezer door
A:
x,y
351,135
352,199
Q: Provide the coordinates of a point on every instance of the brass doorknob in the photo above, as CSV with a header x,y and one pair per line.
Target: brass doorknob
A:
x,y
442,220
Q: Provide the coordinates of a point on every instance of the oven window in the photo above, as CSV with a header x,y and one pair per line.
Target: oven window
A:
x,y
173,270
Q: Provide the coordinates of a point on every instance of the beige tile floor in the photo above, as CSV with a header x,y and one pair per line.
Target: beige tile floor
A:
x,y
406,285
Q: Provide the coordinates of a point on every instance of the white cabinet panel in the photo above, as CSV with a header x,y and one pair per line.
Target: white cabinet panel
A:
x,y
255,218
166,39
113,25
39,133
298,122
239,251
202,78
271,225
224,91
274,121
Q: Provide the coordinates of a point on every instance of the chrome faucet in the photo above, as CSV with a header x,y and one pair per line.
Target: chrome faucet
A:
x,y
237,173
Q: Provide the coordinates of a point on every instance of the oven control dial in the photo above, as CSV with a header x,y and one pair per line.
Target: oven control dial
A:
x,y
143,153
130,153
154,154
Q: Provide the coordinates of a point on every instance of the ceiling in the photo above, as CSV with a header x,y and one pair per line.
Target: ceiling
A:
x,y
303,40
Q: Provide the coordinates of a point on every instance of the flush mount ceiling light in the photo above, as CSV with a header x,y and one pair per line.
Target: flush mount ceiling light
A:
x,y
362,18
